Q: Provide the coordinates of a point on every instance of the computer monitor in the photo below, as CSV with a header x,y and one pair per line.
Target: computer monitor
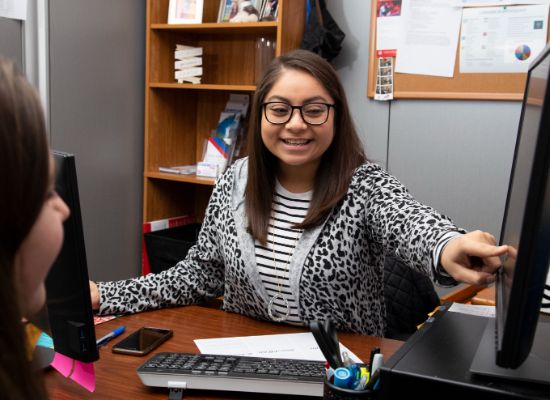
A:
x,y
522,348
67,287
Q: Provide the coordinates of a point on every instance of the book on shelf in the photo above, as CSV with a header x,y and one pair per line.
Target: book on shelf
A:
x,y
180,169
188,62
193,71
183,51
191,79
153,226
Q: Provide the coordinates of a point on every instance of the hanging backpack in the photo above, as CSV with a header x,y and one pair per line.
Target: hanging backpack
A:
x,y
322,35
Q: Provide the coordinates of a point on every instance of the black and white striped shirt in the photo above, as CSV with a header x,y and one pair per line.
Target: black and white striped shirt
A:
x,y
288,209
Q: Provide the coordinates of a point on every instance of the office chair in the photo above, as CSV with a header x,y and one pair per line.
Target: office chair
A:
x,y
409,295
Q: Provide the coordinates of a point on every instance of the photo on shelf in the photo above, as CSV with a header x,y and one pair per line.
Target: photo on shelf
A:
x,y
269,11
185,11
239,10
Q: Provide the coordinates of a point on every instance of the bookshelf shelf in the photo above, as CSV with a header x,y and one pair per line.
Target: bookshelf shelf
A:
x,y
181,178
239,88
180,117
221,27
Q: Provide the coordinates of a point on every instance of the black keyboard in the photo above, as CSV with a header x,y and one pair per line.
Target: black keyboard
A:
x,y
234,373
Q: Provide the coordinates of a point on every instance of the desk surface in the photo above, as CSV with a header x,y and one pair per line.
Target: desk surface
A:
x,y
485,297
116,376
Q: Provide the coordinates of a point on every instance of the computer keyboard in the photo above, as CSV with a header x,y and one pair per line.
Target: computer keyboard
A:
x,y
234,373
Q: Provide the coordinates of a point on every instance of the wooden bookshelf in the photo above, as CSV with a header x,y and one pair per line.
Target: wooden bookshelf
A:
x,y
180,117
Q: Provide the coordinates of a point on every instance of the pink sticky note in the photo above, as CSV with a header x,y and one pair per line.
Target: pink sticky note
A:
x,y
84,375
63,364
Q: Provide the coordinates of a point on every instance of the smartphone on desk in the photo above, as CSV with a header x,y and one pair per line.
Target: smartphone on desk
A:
x,y
142,341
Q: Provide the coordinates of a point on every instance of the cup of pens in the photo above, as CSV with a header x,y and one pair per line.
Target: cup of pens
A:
x,y
345,384
345,379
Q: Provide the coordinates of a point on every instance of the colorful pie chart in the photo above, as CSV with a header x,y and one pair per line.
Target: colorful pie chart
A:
x,y
523,52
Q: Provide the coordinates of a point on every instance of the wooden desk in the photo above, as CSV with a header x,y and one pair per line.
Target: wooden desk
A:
x,y
485,297
116,376
471,294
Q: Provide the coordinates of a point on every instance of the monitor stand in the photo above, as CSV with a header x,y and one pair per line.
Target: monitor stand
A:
x,y
534,369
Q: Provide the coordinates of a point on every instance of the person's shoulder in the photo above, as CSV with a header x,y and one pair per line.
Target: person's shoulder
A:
x,y
368,170
371,175
372,178
236,173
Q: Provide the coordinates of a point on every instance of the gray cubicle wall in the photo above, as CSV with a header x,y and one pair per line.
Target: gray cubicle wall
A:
x,y
11,40
456,156
96,87
371,118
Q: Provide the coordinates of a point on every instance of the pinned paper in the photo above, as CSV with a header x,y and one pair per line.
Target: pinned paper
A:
x,y
80,372
16,9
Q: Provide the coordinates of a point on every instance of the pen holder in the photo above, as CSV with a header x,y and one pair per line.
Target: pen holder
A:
x,y
332,392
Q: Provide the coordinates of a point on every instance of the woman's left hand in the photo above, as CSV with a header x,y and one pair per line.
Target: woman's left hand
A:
x,y
473,258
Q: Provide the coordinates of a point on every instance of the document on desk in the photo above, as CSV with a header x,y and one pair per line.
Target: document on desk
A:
x,y
481,311
300,346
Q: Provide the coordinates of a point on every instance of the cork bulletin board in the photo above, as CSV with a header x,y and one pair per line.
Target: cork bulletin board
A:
x,y
476,86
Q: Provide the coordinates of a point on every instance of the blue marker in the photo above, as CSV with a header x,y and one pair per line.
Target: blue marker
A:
x,y
355,375
109,336
342,377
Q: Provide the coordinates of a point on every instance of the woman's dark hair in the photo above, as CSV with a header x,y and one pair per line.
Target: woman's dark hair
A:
x,y
24,179
342,157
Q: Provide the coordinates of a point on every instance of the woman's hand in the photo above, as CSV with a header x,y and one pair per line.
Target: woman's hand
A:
x,y
94,294
473,258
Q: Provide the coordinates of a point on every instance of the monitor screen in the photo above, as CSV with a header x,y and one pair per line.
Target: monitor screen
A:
x,y
68,291
526,224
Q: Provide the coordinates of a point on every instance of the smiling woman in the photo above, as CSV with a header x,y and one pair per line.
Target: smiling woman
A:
x,y
299,230
293,139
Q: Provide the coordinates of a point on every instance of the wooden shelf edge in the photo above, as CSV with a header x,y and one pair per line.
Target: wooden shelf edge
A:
x,y
202,86
457,96
218,26
181,178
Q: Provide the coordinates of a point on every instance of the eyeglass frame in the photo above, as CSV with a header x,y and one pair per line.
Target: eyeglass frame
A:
x,y
292,108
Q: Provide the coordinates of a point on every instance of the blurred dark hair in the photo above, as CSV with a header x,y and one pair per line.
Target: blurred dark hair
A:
x,y
342,157
24,179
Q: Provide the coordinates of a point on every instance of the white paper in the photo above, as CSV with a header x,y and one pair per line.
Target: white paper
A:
x,y
502,39
429,38
15,9
299,346
388,28
482,311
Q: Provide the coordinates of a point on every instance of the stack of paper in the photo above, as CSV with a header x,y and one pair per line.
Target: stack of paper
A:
x,y
188,64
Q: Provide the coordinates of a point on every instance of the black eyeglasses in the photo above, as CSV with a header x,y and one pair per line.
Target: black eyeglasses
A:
x,y
277,112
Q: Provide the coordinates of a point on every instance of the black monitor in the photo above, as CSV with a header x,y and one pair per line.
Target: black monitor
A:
x,y
520,343
68,291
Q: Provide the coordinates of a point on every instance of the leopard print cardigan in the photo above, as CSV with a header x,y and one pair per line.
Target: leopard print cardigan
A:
x,y
336,270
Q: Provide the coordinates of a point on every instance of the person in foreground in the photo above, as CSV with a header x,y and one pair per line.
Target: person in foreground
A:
x,y
298,230
31,226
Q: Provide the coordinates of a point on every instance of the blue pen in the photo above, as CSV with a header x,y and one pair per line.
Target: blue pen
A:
x,y
109,336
